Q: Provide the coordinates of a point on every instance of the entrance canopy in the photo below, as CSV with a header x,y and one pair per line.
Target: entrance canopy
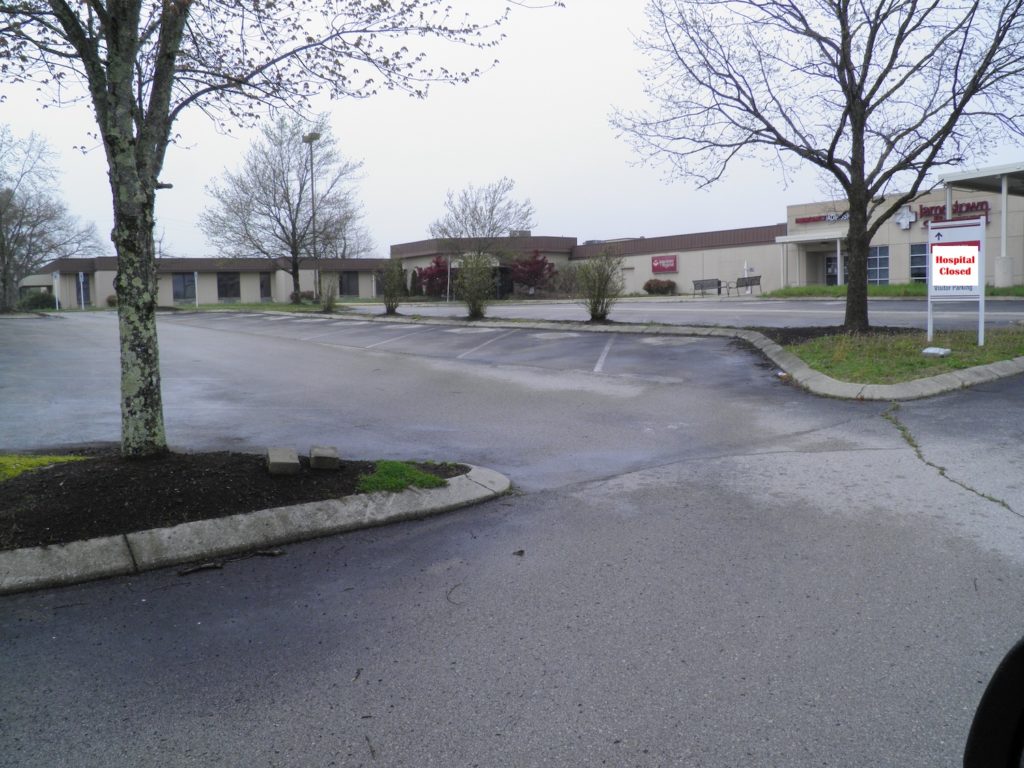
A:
x,y
1006,180
989,179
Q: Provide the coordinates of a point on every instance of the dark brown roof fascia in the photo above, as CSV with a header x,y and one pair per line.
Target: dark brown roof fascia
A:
x,y
523,245
699,241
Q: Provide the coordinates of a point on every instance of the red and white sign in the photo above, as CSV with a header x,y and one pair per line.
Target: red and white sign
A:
x,y
664,264
957,252
956,266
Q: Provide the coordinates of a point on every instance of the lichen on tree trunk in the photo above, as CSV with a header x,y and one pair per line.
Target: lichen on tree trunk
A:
x,y
142,417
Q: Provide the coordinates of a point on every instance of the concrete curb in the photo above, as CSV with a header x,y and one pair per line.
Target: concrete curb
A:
x,y
802,374
34,568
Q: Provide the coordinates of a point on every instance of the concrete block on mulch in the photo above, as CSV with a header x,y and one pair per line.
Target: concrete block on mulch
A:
x,y
283,461
324,457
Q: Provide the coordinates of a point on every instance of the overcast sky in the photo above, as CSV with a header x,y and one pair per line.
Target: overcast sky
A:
x,y
540,118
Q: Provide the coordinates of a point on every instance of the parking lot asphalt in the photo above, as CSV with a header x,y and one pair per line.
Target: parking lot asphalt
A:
x,y
701,564
627,349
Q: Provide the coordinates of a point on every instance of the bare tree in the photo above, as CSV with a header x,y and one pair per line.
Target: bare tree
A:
x,y
874,95
483,214
265,208
143,62
477,219
35,226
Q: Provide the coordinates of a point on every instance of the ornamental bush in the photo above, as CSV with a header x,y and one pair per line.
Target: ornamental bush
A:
x,y
392,285
35,301
656,287
474,283
600,284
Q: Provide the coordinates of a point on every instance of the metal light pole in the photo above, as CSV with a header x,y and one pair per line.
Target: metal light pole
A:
x,y
309,138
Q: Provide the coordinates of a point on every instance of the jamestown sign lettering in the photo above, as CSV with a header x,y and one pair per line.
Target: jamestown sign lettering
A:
x,y
924,212
938,212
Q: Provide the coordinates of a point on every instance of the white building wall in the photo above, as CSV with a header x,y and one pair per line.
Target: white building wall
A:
x,y
725,264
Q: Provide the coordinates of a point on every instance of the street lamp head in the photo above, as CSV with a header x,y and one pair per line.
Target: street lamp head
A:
x,y
309,138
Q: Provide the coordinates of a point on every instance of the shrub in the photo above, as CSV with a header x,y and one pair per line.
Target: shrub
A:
x,y
112,300
600,284
474,283
35,301
392,283
565,282
328,297
298,297
656,287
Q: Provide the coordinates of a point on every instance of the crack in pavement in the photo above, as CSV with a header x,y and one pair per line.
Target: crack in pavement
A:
x,y
890,415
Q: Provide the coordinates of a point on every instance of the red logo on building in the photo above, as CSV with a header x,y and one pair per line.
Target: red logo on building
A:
x,y
662,264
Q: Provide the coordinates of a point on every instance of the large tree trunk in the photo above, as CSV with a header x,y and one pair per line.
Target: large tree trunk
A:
x,y
133,186
857,245
142,417
296,290
7,288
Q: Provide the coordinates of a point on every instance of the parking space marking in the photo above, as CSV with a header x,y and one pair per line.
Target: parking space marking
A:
x,y
666,341
555,335
472,330
604,355
393,338
478,347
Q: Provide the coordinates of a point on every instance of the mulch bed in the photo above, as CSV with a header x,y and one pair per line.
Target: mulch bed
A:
x,y
108,495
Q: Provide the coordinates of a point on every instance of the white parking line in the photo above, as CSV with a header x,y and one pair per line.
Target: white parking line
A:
x,y
555,335
604,355
478,347
393,338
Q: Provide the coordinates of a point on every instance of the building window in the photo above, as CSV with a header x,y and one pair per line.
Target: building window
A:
x,y
266,293
349,285
878,265
229,286
919,262
184,286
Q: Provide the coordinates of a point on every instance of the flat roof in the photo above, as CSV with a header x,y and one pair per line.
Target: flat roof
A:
x,y
989,179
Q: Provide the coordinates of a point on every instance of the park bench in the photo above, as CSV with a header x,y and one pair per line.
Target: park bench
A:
x,y
710,284
744,282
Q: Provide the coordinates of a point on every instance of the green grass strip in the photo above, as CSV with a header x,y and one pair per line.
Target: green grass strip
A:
x,y
892,358
397,476
12,465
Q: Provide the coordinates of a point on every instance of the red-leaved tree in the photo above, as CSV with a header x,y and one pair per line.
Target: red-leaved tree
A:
x,y
534,272
433,279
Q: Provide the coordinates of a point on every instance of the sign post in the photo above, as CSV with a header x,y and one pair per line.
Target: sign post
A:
x,y
956,266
